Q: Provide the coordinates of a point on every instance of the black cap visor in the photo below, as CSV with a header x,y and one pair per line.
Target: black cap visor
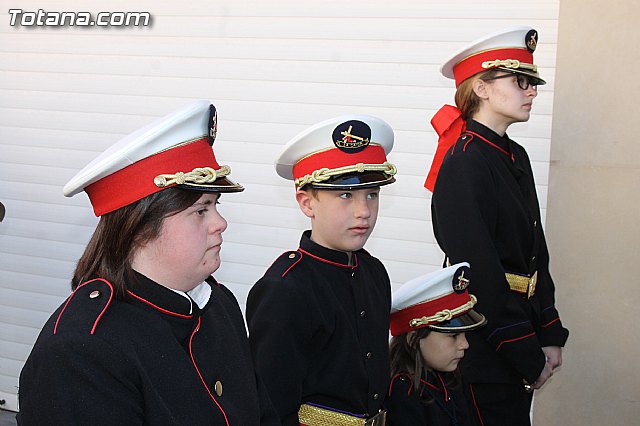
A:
x,y
219,185
468,321
533,75
355,181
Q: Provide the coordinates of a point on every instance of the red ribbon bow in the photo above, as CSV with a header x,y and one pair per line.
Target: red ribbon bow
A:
x,y
448,124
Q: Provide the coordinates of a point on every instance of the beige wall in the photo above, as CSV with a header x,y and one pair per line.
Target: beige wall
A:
x,y
593,215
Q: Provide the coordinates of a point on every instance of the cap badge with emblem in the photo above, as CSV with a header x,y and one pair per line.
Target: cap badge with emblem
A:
x,y
531,40
461,279
213,124
352,136
345,152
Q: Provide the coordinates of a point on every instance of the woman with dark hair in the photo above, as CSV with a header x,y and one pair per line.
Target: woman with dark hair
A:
x,y
485,211
148,336
430,316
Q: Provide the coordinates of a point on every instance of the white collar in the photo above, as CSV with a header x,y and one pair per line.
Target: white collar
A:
x,y
199,294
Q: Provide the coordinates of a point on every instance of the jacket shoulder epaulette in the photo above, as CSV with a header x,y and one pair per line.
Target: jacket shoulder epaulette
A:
x,y
401,382
85,307
284,264
463,142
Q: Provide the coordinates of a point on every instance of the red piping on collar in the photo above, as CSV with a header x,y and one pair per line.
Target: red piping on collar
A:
x,y
434,387
444,388
95,324
164,311
431,385
504,151
329,261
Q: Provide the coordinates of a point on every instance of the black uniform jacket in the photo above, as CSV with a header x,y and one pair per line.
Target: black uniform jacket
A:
x,y
437,402
319,328
485,211
154,359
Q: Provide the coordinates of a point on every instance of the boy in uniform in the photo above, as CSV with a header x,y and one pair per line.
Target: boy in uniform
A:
x,y
318,319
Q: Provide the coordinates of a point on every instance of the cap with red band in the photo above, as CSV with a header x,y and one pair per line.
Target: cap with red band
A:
x,y
347,152
510,50
439,301
175,150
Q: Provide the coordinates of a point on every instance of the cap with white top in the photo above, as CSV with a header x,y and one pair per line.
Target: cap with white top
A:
x,y
509,50
174,151
346,152
439,301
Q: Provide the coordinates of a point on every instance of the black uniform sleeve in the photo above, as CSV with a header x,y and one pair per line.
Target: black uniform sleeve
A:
x,y
403,405
551,332
280,343
268,414
78,379
464,207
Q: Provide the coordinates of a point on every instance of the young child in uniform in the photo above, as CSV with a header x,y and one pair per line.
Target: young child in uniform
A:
x,y
318,318
429,318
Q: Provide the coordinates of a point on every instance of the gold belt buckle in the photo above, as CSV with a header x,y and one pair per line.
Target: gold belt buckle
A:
x,y
379,419
532,285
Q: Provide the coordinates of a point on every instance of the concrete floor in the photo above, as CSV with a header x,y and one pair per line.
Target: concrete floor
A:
x,y
7,418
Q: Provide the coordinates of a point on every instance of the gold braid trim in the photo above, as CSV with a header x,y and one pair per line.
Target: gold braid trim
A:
x,y
510,63
522,284
310,415
444,315
199,176
324,174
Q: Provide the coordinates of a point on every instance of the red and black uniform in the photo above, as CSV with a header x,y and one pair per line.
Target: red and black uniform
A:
x,y
485,211
318,329
441,399
154,359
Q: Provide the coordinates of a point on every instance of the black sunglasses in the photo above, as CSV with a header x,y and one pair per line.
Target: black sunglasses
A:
x,y
524,81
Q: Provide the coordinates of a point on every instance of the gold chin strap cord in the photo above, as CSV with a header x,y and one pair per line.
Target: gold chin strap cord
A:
x,y
444,315
201,176
324,174
510,63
